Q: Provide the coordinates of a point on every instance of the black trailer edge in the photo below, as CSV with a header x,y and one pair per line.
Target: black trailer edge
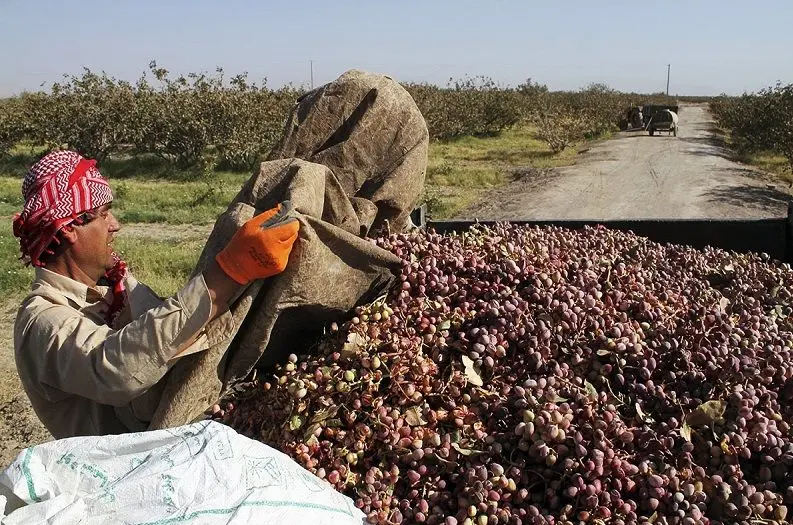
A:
x,y
773,236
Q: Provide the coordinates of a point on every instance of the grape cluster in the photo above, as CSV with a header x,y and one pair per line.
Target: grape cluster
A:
x,y
525,375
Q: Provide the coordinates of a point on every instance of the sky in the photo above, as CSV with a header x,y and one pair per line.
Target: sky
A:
x,y
712,47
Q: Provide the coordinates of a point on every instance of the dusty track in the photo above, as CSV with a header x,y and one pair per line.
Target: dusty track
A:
x,y
637,176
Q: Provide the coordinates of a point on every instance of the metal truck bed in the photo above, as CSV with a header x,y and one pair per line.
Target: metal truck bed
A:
x,y
773,236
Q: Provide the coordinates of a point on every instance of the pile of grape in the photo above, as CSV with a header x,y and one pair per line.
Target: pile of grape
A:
x,y
540,375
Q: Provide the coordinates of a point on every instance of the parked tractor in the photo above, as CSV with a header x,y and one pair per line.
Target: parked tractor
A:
x,y
660,118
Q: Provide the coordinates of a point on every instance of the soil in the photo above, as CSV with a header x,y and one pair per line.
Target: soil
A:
x,y
19,426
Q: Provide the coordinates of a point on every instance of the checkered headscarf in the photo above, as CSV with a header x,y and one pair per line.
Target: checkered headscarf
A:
x,y
57,190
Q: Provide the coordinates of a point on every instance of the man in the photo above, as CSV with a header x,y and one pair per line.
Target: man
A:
x,y
90,341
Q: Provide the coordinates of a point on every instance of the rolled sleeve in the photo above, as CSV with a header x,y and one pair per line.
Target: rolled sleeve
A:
x,y
140,297
79,356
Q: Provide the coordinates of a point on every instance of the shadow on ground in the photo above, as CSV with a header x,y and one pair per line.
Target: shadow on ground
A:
x,y
766,198
714,143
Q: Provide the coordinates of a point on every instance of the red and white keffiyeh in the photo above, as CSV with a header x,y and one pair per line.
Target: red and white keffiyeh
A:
x,y
57,190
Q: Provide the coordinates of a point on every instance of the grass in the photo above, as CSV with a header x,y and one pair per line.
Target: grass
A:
x,y
121,166
146,188
10,196
514,147
163,265
15,278
460,171
152,201
175,202
768,161
771,163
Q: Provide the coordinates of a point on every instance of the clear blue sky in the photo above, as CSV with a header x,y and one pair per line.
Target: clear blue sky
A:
x,y
713,46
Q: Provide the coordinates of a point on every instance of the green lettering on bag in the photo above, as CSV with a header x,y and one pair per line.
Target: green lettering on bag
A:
x,y
230,510
28,476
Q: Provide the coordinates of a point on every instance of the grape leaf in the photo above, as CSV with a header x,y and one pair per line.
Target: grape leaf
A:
x,y
295,422
413,417
466,451
355,342
590,389
723,304
461,450
725,446
324,413
471,372
309,433
685,432
643,417
707,413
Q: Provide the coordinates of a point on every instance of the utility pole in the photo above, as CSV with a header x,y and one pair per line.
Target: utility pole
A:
x,y
668,67
311,62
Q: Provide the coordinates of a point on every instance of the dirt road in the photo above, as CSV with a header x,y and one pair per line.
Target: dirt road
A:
x,y
637,176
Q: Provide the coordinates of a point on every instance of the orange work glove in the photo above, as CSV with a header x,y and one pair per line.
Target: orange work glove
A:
x,y
261,247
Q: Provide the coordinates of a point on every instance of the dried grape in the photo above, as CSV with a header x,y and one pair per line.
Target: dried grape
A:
x,y
540,375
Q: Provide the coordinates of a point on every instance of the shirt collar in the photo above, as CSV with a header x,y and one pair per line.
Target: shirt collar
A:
x,y
76,291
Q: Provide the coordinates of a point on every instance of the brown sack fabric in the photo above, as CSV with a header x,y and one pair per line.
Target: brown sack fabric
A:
x,y
352,160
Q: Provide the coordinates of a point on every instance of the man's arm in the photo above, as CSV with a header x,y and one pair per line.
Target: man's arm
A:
x,y
222,289
74,354
71,352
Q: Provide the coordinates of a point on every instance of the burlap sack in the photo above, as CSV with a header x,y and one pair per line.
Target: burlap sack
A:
x,y
352,160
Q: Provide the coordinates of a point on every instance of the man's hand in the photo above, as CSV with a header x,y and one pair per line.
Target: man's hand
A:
x,y
261,247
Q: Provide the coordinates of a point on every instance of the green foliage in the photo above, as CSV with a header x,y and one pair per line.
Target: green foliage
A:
x,y
92,113
759,122
479,107
475,106
565,118
185,116
196,121
15,277
11,125
559,126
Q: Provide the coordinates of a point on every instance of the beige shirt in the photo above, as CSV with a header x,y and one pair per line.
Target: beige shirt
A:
x,y
86,378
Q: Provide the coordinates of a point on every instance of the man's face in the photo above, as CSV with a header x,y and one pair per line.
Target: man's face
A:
x,y
92,249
